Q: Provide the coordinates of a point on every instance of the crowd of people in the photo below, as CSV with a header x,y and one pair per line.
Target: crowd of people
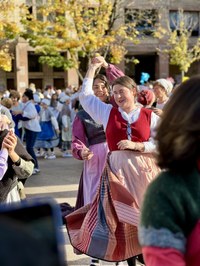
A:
x,y
31,126
42,120
139,191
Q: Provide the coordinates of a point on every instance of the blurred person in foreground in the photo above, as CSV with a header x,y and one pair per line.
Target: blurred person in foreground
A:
x,y
169,230
15,163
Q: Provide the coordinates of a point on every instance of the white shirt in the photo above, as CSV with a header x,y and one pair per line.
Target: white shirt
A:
x,y
100,112
30,111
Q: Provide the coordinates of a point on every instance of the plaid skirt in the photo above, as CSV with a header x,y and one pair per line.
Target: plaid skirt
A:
x,y
106,228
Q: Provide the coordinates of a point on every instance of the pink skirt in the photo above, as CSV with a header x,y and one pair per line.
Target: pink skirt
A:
x,y
92,171
107,228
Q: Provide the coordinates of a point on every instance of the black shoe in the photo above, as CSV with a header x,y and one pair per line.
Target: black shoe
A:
x,y
94,262
131,261
140,259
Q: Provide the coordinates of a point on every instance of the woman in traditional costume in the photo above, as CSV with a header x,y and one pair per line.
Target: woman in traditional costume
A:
x,y
107,228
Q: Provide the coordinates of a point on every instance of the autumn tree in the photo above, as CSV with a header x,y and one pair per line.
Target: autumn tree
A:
x,y
63,32
9,32
180,47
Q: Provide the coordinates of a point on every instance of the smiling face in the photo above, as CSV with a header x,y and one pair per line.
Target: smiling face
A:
x,y
100,90
124,97
125,92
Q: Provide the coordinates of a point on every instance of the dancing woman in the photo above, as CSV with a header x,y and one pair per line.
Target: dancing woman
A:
x,y
107,229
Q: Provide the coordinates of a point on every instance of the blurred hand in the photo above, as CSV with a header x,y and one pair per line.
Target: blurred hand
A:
x,y
86,154
57,131
157,111
126,145
10,142
17,112
96,63
100,59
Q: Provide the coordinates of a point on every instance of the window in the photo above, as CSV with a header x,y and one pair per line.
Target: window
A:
x,y
58,69
144,20
11,84
147,64
38,83
33,8
29,2
13,66
190,18
59,83
33,63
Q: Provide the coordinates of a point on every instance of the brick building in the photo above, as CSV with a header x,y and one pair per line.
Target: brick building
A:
x,y
26,68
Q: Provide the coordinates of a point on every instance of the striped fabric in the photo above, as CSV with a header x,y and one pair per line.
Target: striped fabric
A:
x,y
106,229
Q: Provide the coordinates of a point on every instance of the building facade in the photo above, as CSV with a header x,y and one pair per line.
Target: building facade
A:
x,y
26,68
166,14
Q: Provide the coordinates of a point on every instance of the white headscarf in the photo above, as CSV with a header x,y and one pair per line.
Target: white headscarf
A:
x,y
166,84
46,101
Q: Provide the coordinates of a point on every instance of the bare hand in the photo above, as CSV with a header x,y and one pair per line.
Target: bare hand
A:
x,y
86,154
126,145
95,63
57,131
17,112
100,59
157,111
10,142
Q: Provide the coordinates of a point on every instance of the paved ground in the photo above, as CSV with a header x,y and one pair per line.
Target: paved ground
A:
x,y
59,179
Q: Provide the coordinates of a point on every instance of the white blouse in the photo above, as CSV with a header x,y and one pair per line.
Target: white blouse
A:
x,y
100,112
29,111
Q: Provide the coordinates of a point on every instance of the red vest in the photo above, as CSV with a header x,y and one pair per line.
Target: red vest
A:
x,y
116,129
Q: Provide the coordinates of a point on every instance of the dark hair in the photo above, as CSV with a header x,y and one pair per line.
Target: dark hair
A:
x,y
54,102
126,82
104,80
178,133
29,93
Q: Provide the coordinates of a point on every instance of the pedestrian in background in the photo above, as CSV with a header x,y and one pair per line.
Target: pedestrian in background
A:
x,y
48,137
17,105
162,89
66,127
31,126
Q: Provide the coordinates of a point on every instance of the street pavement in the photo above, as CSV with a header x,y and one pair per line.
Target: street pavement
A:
x,y
59,179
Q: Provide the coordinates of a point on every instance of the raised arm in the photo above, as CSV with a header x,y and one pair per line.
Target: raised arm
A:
x,y
97,109
112,71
